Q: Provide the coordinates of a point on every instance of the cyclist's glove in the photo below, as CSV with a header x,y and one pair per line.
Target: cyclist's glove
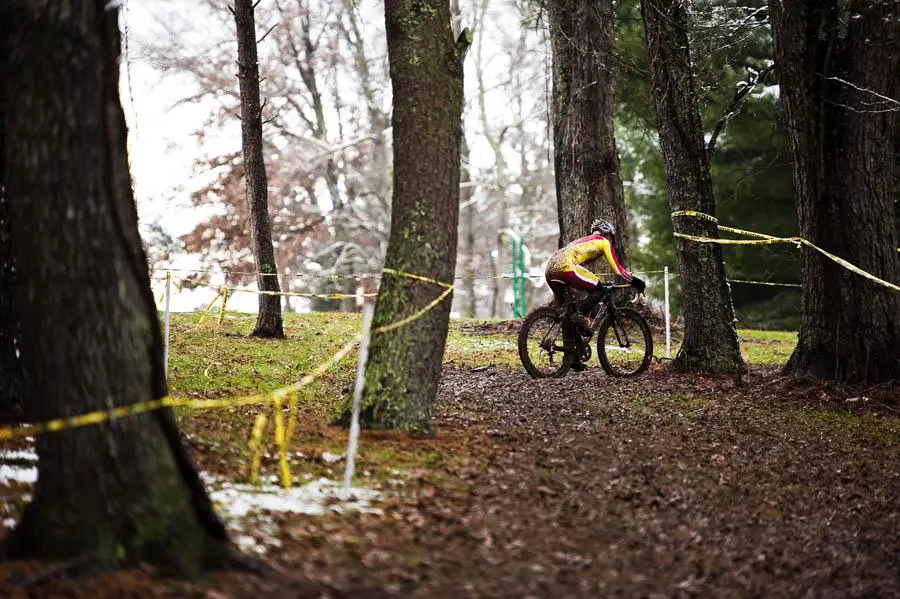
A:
x,y
638,284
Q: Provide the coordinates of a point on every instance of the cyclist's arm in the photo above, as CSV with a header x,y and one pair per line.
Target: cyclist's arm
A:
x,y
613,261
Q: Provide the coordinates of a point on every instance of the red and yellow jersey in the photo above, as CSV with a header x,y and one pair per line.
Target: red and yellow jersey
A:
x,y
572,256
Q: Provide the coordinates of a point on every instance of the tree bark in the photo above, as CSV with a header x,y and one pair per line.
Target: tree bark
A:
x,y
467,247
427,83
123,492
588,178
837,62
710,338
12,376
467,206
269,319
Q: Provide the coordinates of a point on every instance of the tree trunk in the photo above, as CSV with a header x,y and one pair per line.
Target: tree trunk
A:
x,y
123,492
588,180
268,321
12,377
467,206
426,79
837,62
710,339
467,249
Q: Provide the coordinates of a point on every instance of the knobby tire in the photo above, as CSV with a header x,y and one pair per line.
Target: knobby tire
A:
x,y
624,315
566,358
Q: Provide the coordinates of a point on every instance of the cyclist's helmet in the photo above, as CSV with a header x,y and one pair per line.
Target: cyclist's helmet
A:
x,y
602,227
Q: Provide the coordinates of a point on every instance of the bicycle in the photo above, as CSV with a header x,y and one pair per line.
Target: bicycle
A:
x,y
624,339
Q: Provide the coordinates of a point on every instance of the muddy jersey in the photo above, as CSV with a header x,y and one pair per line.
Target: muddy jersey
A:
x,y
568,260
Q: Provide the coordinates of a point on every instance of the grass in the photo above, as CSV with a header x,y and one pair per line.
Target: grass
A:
x,y
213,360
221,360
767,348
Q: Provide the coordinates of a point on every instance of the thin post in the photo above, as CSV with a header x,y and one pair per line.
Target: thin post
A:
x,y
668,330
353,441
166,343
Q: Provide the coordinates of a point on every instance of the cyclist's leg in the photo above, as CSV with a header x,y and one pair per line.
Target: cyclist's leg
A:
x,y
558,287
594,297
588,281
582,279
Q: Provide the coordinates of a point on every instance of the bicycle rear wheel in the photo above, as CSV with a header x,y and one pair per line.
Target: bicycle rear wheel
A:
x,y
624,343
541,344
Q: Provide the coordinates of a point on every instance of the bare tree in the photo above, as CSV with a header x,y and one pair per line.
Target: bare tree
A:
x,y
329,188
427,81
123,492
839,68
710,337
268,320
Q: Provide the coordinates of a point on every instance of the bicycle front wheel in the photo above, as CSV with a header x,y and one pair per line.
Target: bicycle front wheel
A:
x,y
541,344
624,343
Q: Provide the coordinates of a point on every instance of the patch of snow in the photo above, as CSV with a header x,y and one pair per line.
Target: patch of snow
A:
x,y
315,498
248,543
28,455
17,474
331,458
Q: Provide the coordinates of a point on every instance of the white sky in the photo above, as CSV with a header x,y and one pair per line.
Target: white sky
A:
x,y
162,145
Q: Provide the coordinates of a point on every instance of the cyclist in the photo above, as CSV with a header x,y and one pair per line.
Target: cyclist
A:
x,y
565,270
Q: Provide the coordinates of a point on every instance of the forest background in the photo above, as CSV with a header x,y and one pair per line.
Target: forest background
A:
x,y
326,91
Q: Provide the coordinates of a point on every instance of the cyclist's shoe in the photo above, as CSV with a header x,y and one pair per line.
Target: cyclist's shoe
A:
x,y
579,366
583,323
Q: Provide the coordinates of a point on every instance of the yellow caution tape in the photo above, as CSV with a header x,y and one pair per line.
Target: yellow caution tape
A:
x,y
747,233
256,447
695,214
224,303
286,293
209,307
415,316
767,239
277,397
293,398
769,283
398,273
281,443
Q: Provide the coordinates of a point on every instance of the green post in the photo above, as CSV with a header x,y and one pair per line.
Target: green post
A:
x,y
518,264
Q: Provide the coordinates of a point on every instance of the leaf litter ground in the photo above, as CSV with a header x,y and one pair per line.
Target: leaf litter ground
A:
x,y
667,485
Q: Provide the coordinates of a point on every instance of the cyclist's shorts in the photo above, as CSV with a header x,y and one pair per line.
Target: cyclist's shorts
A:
x,y
577,277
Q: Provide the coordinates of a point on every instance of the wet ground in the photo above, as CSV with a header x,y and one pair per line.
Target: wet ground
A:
x,y
662,486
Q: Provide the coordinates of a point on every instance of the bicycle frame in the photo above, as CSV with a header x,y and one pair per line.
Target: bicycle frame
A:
x,y
607,307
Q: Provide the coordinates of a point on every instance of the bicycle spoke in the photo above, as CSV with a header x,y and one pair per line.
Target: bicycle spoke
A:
x,y
540,345
625,343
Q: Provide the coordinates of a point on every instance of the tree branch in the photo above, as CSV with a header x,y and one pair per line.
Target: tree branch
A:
x,y
266,34
736,102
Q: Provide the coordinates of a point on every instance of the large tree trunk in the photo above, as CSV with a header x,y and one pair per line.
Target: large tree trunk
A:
x,y
710,339
12,377
123,492
426,79
837,62
588,180
268,321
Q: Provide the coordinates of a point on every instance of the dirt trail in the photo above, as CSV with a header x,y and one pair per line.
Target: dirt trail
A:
x,y
589,486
